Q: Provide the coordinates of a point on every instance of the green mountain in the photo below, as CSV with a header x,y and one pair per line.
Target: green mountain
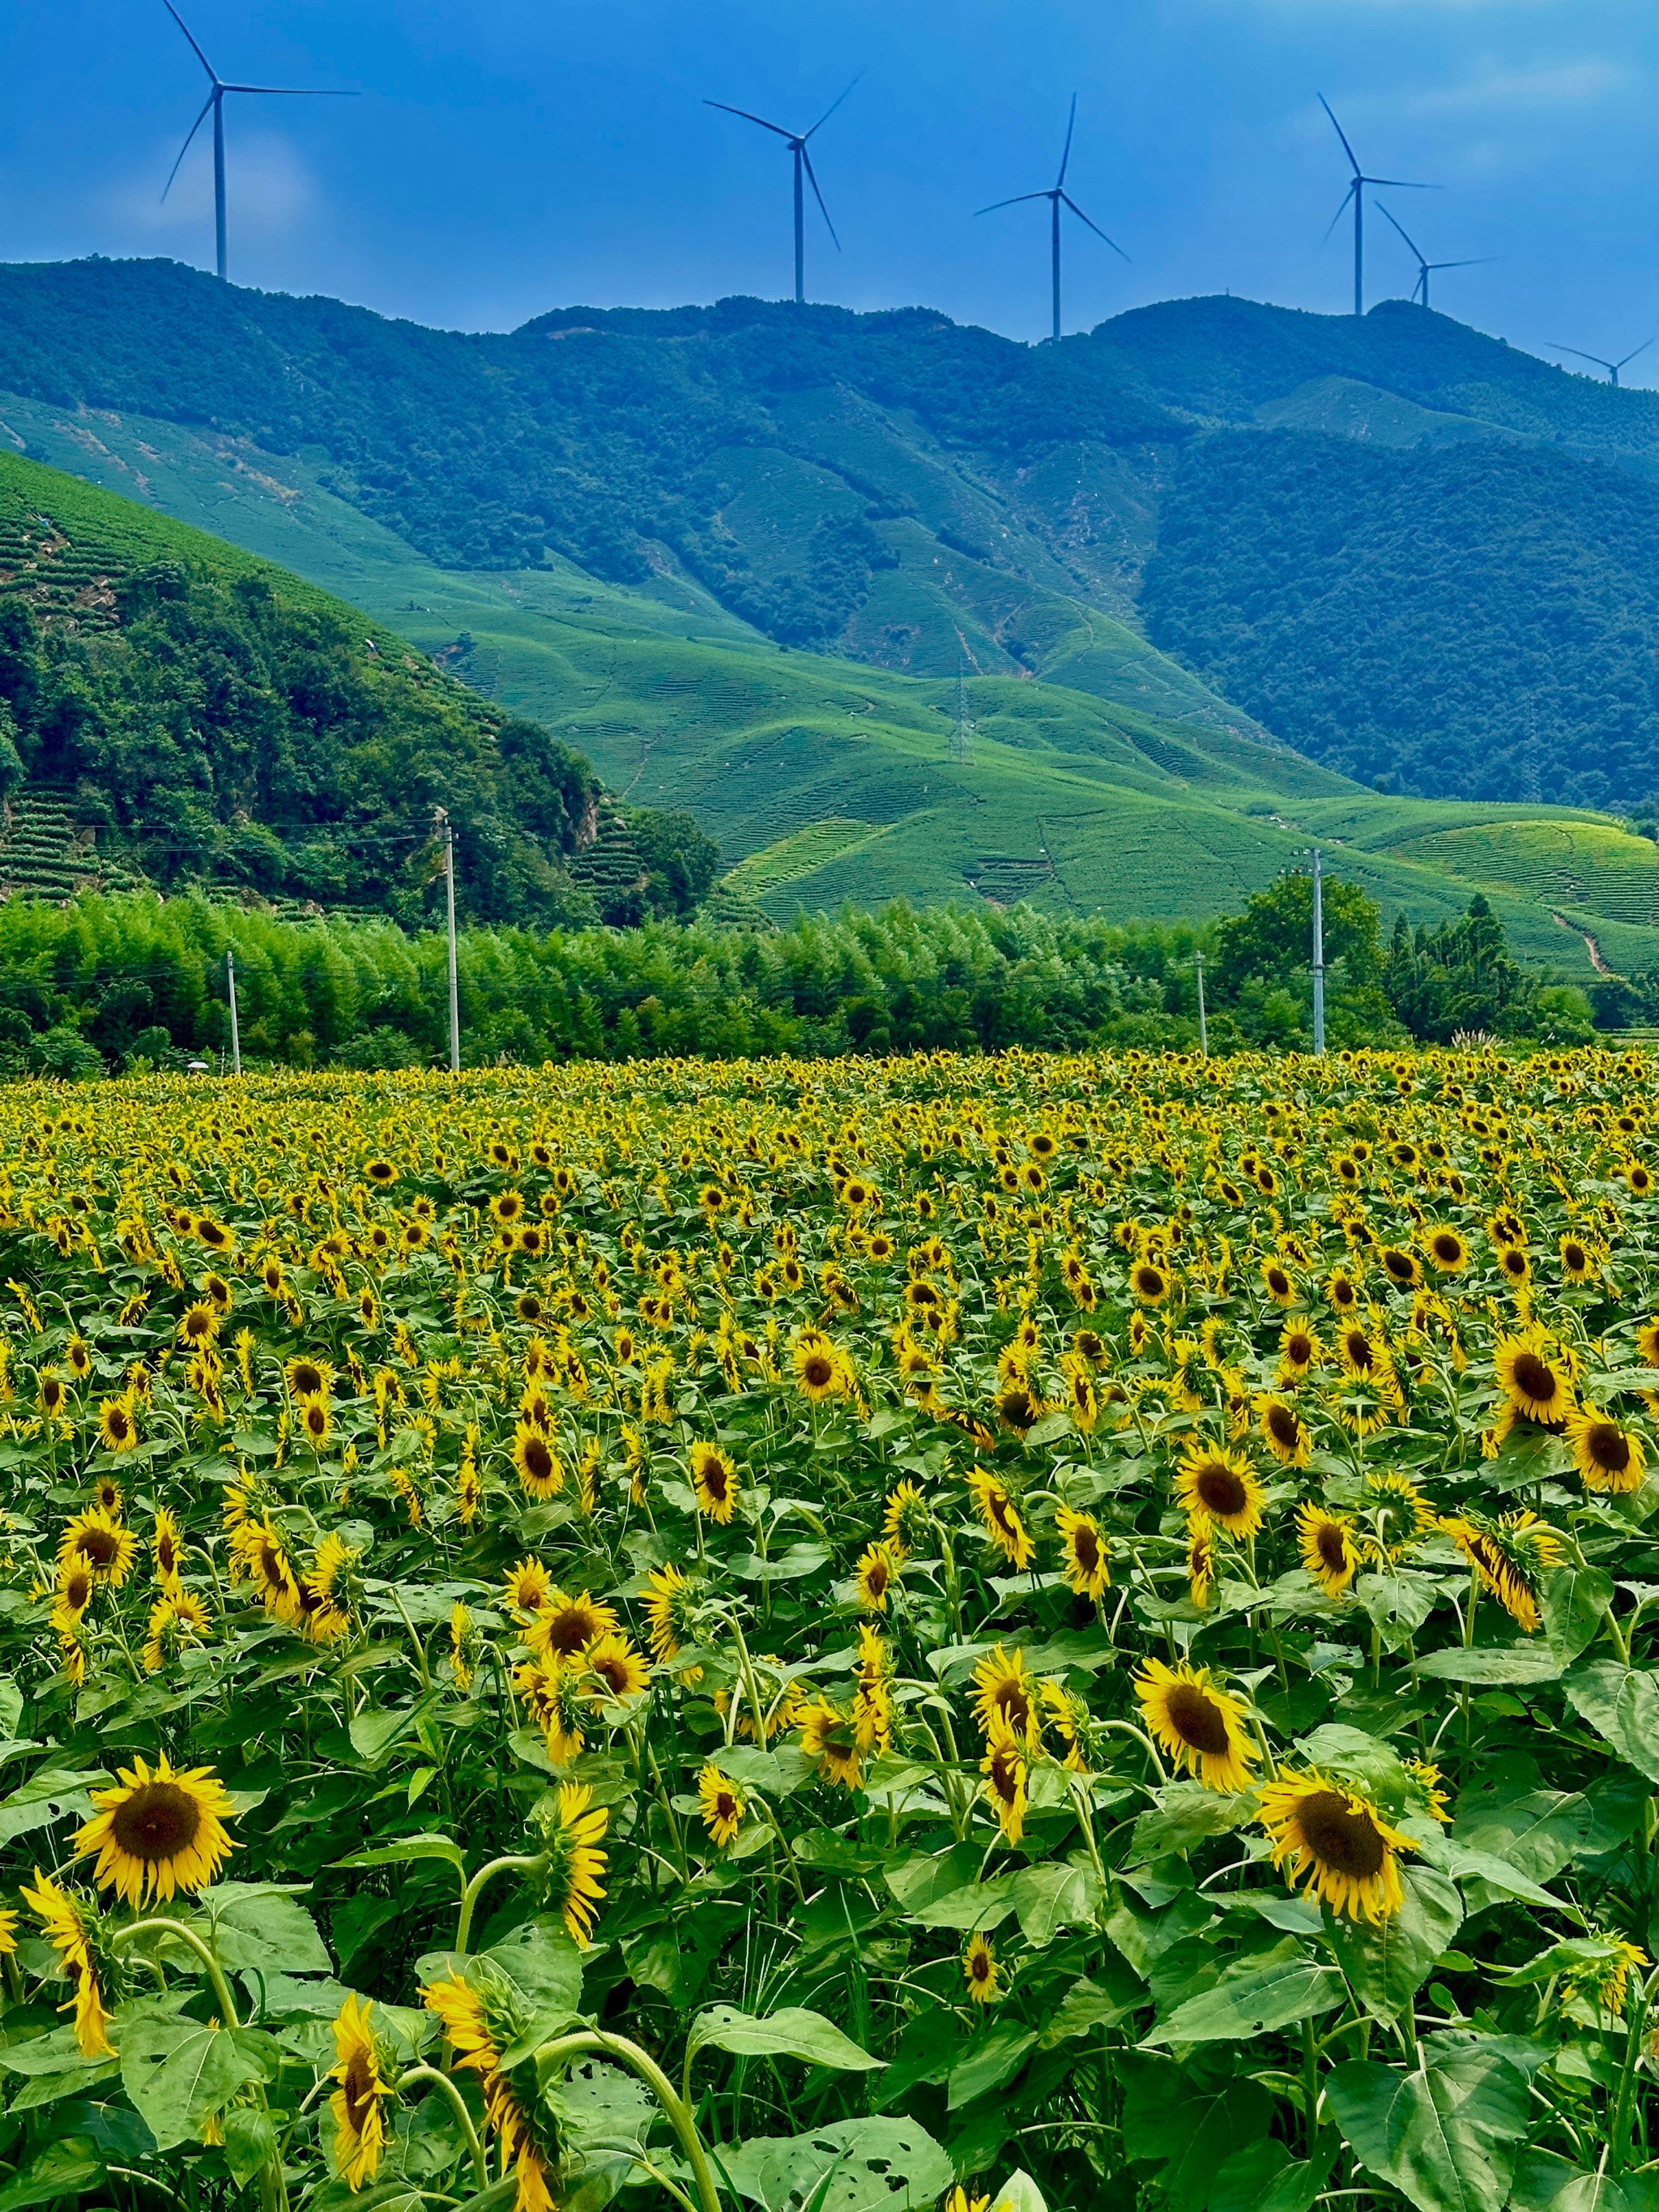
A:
x,y
625,525
172,710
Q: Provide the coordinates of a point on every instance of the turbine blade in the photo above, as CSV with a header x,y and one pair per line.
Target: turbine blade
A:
x,y
1578,354
1387,218
1019,200
1066,151
812,180
1642,348
1093,226
190,35
830,110
184,149
748,118
1341,133
1403,184
1341,212
299,91
1479,261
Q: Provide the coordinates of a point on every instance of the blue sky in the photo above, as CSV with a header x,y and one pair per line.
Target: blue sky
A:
x,y
507,157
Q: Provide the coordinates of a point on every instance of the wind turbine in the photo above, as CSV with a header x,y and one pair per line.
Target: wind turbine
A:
x,y
804,174
1613,367
216,100
1427,269
1055,194
1355,193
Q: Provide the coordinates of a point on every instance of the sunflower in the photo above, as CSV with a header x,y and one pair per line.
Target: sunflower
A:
x,y
464,1645
551,1689
1606,1455
1399,1266
316,1422
722,1804
820,1370
477,2045
176,1619
74,1590
574,1884
908,1522
1446,1249
671,1599
1647,1343
1278,1283
621,1668
1577,1258
569,1625
358,2105
874,1576
1535,1385
829,1739
166,1546
1200,1564
1005,1772
1336,1837
1283,1430
308,1378
526,1590
541,1470
259,1552
324,1596
157,1833
1149,1282
1327,1545
1087,1562
716,1482
1068,1716
1510,1558
49,1392
1395,1517
1006,1697
1200,1725
1217,1487
1299,1351
1342,1290
979,1966
1001,1517
69,1925
96,1540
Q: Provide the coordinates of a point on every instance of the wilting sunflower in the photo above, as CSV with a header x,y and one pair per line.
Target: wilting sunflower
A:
x,y
1336,1837
1328,1552
1535,1384
359,2104
574,1884
541,1470
1218,1486
569,1625
1607,1455
1086,1562
874,1576
1006,1697
670,1600
723,1806
1509,1557
68,1924
477,2045
1006,1773
828,1738
981,1971
1200,1724
1607,1982
96,1540
716,1483
1001,1517
157,1833
1283,1432
526,1587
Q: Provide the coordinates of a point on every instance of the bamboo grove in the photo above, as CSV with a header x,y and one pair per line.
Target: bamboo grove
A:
x,y
1018,1632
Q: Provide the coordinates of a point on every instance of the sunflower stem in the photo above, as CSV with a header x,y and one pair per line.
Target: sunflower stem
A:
x,y
458,2106
192,1942
471,1893
677,2109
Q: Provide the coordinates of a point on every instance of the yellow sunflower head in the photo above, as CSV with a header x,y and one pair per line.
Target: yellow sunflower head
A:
x,y
1200,1724
1334,1836
158,1831
1218,1486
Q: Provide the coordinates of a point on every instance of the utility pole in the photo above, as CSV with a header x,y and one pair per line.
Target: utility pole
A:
x,y
440,816
1203,1026
235,1033
1318,955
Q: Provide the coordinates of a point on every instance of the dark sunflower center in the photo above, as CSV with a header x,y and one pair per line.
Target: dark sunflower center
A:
x,y
1515,1262
715,1480
1086,1550
1535,1379
1278,1281
1608,1446
307,1380
1197,1720
158,1822
614,1672
1398,1264
1447,1249
571,1629
77,1589
99,1547
1005,1774
1221,1491
818,1371
876,1579
538,1460
725,1805
1013,1705
1148,1281
1574,1256
1282,1426
1017,1408
1359,1348
1300,1348
1340,1838
981,1966
1331,1547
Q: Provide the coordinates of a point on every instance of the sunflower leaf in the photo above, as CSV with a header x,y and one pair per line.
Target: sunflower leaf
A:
x,y
1621,1704
1446,2135
1387,1965
1251,2004
850,2165
1573,1603
56,1793
791,2033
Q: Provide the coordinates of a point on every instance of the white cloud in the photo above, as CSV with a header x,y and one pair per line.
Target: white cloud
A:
x,y
1495,91
268,189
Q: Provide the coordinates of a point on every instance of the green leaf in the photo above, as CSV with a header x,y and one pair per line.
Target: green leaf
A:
x,y
179,2074
407,1849
977,1905
1545,2183
1019,2193
54,1794
249,2142
1052,1896
789,1566
1086,2005
1464,1864
1621,1704
374,1734
545,1968
790,2032
869,2165
1189,2120
1263,2177
260,1927
1387,1965
1398,1605
1252,2004
1446,2135
1492,1666
1186,1814
995,2058
1578,1955
1572,1604
61,2169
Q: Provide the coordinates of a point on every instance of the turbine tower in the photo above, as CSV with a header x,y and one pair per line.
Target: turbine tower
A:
x,y
215,100
1056,195
1355,193
1613,367
1427,269
804,174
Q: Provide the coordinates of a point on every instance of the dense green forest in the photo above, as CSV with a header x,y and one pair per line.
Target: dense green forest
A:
x,y
203,717
1479,622
107,982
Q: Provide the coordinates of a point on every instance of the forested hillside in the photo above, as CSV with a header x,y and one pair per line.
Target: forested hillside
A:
x,y
186,713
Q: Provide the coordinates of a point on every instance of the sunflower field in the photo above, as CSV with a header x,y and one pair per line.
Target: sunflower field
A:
x,y
1013,1631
